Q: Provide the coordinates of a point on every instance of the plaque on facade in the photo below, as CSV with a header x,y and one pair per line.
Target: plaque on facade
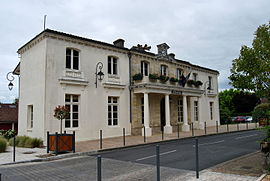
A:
x,y
176,92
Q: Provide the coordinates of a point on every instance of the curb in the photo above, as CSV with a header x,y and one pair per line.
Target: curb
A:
x,y
95,152
261,177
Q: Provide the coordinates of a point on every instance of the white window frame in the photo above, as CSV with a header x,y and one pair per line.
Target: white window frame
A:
x,y
164,70
30,116
144,68
180,111
113,70
111,105
196,111
71,105
178,73
72,56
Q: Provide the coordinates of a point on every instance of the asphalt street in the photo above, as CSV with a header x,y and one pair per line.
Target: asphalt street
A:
x,y
180,154
138,163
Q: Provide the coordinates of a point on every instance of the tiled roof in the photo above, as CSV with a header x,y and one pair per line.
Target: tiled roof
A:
x,y
8,113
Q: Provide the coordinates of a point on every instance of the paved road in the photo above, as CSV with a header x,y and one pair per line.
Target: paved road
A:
x,y
177,159
180,154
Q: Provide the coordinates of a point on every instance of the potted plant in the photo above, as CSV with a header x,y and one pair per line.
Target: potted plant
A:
x,y
163,78
190,83
138,76
153,77
61,112
198,83
173,80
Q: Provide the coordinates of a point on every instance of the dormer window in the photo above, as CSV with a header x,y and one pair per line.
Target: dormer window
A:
x,y
144,68
163,70
72,59
112,65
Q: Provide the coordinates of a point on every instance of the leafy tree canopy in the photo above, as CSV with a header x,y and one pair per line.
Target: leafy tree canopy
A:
x,y
251,70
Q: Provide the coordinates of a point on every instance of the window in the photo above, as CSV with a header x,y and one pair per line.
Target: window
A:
x,y
112,111
30,116
112,65
211,110
210,82
180,110
195,75
72,103
144,68
178,73
142,108
196,111
72,59
163,70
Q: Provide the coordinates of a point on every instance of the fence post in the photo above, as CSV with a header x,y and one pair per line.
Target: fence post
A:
x,y
247,125
14,145
48,141
144,137
237,126
192,128
197,157
73,142
217,126
99,168
124,138
56,141
100,139
158,163
256,124
227,127
178,136
162,134
205,131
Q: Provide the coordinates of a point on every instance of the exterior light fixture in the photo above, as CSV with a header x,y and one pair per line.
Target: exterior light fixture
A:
x,y
100,74
10,78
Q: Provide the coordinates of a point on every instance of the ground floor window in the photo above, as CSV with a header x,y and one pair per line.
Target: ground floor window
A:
x,y
211,110
72,103
196,111
113,111
180,110
30,116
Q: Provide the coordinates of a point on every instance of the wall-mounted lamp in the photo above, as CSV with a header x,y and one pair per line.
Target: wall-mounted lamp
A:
x,y
100,74
10,78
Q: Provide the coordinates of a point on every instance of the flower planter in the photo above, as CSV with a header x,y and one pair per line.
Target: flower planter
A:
x,y
265,146
60,143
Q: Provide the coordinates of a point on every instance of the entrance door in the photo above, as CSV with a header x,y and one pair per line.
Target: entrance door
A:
x,y
162,114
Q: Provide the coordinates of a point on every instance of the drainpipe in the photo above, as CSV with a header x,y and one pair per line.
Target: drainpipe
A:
x,y
130,89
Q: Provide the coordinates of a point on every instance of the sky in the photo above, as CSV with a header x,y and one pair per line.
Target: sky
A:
x,y
208,33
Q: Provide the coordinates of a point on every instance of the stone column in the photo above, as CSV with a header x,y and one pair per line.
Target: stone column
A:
x,y
148,130
168,127
200,121
185,126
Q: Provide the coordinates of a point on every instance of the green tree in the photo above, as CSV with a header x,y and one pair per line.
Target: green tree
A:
x,y
251,70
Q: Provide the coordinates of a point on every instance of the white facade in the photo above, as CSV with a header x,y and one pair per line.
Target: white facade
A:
x,y
49,78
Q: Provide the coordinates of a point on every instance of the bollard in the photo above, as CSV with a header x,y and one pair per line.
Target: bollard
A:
x,y
56,140
217,126
48,141
0,176
192,128
205,131
73,142
227,127
197,157
124,137
237,126
100,139
144,137
158,163
99,168
178,131
162,134
247,125
14,145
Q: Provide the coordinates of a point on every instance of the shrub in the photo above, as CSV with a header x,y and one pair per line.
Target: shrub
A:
x,y
3,144
172,79
137,76
26,141
163,78
153,76
190,82
261,112
21,140
7,134
198,83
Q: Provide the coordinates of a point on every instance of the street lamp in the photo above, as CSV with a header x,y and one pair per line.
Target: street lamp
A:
x,y
100,74
10,78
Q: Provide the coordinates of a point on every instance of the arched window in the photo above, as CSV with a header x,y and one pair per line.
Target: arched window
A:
x,y
144,68
72,59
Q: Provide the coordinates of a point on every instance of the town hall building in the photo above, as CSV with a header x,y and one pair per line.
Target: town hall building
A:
x,y
110,87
